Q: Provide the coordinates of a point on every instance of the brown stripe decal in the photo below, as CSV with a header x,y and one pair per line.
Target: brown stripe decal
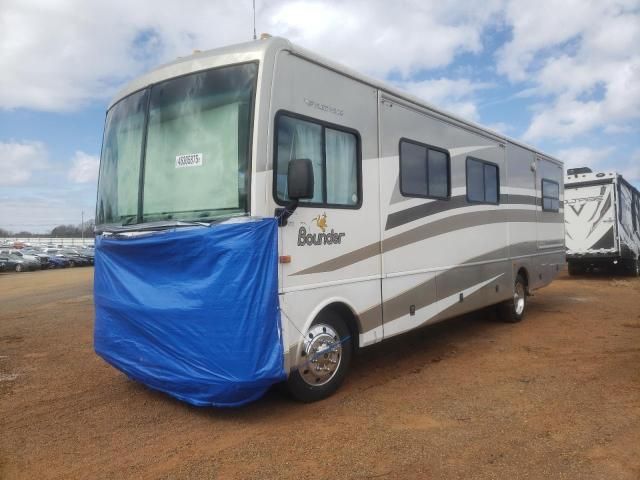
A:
x,y
421,294
424,210
449,283
424,232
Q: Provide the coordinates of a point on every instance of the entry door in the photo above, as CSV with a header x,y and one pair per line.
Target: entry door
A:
x,y
550,226
408,290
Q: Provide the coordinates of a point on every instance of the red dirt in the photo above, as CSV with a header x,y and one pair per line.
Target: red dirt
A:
x,y
556,396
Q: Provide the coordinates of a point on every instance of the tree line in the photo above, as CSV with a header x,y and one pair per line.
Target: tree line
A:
x,y
61,231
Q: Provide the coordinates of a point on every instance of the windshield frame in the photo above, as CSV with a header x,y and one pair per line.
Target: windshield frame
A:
x,y
102,227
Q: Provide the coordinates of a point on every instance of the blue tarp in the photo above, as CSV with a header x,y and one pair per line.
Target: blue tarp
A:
x,y
192,312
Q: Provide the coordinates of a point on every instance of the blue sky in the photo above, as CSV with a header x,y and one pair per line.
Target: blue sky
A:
x,y
568,83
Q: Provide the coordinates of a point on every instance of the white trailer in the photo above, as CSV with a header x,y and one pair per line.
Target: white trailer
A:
x,y
602,215
403,215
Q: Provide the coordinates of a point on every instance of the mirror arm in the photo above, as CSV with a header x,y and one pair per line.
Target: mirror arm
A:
x,y
283,213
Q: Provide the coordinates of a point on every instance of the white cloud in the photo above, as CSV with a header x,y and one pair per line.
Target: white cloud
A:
x,y
456,96
584,157
500,127
382,37
84,168
40,215
631,168
584,59
60,55
18,161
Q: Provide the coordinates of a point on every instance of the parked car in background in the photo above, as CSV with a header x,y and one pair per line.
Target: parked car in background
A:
x,y
77,257
18,263
58,262
30,262
43,258
73,257
88,252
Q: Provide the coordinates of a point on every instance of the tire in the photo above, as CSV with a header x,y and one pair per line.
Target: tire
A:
x,y
575,269
513,310
19,268
72,264
634,267
309,383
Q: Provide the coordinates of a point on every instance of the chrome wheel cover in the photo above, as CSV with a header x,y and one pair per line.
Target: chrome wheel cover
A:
x,y
321,355
519,298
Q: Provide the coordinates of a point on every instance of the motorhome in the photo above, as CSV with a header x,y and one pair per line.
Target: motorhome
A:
x,y
602,215
392,214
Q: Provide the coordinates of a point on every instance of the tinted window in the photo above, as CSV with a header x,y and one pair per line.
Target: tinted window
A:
x,y
120,161
491,183
333,154
550,195
483,184
201,120
475,181
438,176
413,169
424,171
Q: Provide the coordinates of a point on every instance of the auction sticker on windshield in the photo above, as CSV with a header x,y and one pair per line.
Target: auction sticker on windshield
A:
x,y
191,160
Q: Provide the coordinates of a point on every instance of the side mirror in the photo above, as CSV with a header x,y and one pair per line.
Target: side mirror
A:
x,y
300,179
299,186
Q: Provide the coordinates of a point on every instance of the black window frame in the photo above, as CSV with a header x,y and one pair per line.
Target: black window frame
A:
x,y
543,197
484,187
324,125
428,147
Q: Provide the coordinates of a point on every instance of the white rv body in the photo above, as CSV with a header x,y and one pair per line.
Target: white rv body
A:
x,y
602,216
386,262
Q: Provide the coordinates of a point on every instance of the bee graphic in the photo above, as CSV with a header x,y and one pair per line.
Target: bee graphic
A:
x,y
321,221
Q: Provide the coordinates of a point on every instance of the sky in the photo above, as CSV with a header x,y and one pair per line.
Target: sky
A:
x,y
563,75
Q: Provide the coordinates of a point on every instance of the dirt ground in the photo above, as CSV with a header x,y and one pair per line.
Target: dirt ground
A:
x,y
556,396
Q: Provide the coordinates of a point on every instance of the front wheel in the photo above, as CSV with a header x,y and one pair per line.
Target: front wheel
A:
x,y
19,267
324,360
512,311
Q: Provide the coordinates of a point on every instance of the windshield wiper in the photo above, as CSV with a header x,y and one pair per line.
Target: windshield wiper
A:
x,y
161,225
145,227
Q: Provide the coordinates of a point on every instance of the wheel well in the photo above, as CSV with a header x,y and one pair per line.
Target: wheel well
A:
x,y
350,319
524,274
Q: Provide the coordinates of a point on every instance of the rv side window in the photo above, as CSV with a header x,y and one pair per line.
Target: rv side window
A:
x,y
334,154
424,170
550,195
483,181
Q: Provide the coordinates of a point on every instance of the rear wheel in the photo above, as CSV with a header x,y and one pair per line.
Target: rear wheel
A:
x,y
513,310
324,360
575,269
634,267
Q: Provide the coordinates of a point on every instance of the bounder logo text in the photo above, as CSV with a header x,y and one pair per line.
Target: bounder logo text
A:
x,y
306,238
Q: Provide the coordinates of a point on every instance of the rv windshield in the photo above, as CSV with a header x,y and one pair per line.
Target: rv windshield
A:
x,y
179,150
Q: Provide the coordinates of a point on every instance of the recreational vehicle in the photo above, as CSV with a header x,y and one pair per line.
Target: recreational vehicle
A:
x,y
602,215
389,214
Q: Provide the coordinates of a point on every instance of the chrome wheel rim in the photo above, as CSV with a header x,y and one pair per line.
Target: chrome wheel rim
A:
x,y
519,298
321,355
